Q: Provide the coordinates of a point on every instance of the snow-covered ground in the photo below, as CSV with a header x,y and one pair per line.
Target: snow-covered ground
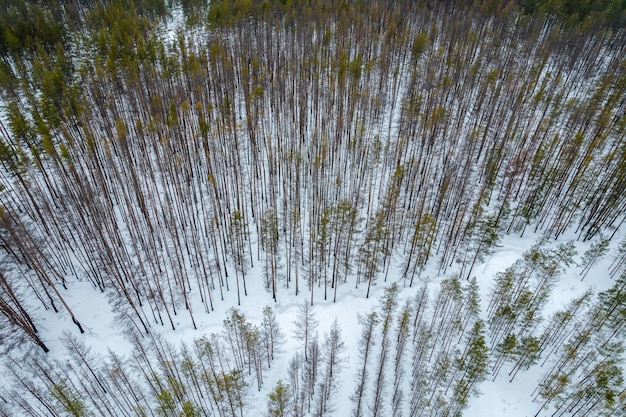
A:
x,y
498,398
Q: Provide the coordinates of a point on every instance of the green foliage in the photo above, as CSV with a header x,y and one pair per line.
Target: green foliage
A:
x,y
551,261
24,25
105,13
477,355
21,127
54,75
238,234
373,246
420,43
269,231
508,345
194,11
472,297
490,234
230,12
605,384
280,400
225,12
69,402
233,385
613,305
166,402
388,302
8,81
119,34
528,351
10,158
554,385
576,12
140,411
189,410
424,235
356,67
344,225
596,251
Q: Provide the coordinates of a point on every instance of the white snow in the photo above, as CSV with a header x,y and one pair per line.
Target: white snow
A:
x,y
500,398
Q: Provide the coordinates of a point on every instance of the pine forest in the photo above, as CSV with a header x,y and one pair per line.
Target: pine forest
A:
x,y
289,207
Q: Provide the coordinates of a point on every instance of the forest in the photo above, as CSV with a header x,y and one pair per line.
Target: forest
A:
x,y
227,161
